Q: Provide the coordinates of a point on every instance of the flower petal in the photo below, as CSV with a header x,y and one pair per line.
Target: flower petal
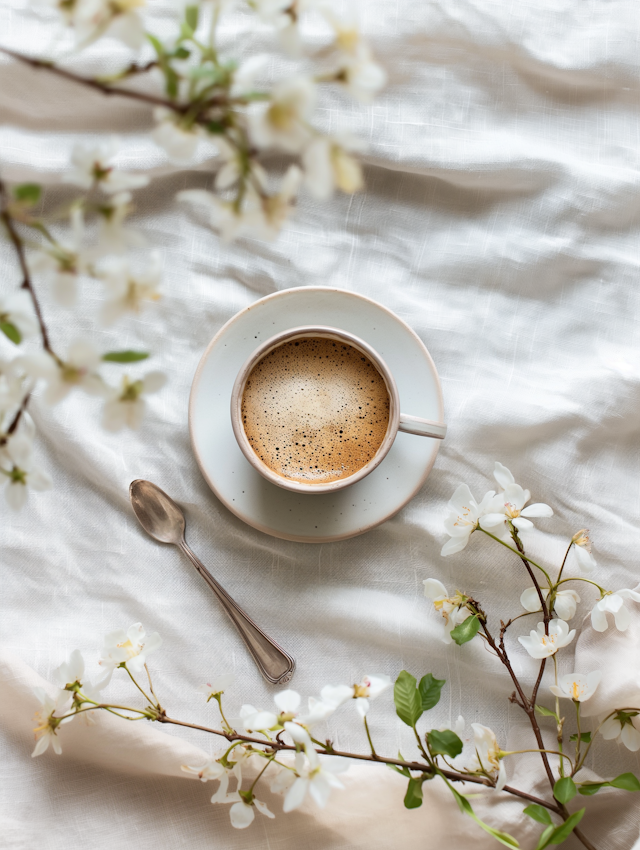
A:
x,y
241,815
455,544
538,509
630,737
296,794
530,600
503,475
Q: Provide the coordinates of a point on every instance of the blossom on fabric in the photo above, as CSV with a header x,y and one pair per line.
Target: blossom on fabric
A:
x,y
369,688
577,687
210,770
70,672
131,648
49,717
452,608
540,645
78,369
621,728
16,310
564,604
281,122
255,720
62,264
582,547
224,216
464,517
181,142
488,755
509,505
113,236
316,778
242,814
128,290
613,603
359,72
288,703
125,406
328,165
277,208
119,19
22,473
92,166
216,686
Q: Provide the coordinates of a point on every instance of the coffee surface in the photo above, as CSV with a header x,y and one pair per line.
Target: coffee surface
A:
x,y
315,410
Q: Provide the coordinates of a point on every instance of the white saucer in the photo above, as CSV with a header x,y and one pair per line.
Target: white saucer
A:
x,y
301,517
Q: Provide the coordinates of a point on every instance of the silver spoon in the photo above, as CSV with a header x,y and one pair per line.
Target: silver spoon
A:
x,y
160,517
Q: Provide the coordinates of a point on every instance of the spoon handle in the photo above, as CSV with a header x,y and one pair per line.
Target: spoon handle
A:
x,y
275,664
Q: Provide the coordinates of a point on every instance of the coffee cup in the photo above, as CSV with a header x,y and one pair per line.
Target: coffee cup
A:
x,y
315,409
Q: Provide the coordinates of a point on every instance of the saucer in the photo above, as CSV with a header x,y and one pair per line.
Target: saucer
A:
x,y
311,518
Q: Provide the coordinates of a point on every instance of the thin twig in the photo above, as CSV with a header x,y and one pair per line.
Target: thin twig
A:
x,y
27,284
15,421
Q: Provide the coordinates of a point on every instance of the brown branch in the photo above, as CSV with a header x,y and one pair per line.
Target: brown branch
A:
x,y
15,421
27,284
520,548
410,765
105,88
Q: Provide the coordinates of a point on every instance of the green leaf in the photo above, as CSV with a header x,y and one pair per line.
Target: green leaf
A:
x,y
125,356
191,17
11,331
157,44
565,789
186,31
216,127
588,789
171,82
465,807
466,630
544,838
181,53
403,771
407,699
626,781
430,691
562,832
28,193
413,797
585,737
538,813
444,743
545,712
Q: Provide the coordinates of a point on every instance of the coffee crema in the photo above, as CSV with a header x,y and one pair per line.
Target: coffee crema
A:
x,y
315,410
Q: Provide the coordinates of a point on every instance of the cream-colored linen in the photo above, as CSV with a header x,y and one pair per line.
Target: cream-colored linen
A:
x,y
500,221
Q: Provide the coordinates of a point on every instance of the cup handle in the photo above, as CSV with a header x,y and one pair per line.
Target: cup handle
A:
x,y
422,427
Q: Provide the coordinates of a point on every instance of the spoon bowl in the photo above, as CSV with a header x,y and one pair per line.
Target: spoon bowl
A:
x,y
157,513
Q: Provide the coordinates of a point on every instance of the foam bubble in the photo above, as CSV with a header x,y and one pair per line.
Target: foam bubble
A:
x,y
315,410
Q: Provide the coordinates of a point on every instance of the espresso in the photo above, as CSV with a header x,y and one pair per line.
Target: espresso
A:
x,y
315,410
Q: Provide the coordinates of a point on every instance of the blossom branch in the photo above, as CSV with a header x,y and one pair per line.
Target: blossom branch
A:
x,y
330,751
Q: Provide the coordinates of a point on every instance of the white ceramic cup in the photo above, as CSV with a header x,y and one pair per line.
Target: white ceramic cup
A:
x,y
397,421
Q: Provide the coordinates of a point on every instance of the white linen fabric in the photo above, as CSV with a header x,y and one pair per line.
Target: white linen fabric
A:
x,y
500,220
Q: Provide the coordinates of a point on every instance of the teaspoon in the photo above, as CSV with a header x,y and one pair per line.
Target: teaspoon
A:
x,y
163,519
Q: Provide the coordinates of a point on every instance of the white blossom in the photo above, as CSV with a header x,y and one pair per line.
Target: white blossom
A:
x,y
128,289
464,517
254,720
452,608
613,603
281,122
125,406
210,770
22,473
317,778
362,76
16,308
577,687
113,236
328,165
217,686
277,208
131,648
78,369
288,703
224,216
48,719
119,19
564,605
487,757
540,645
369,688
181,142
62,264
582,548
93,166
510,504
621,728
242,813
